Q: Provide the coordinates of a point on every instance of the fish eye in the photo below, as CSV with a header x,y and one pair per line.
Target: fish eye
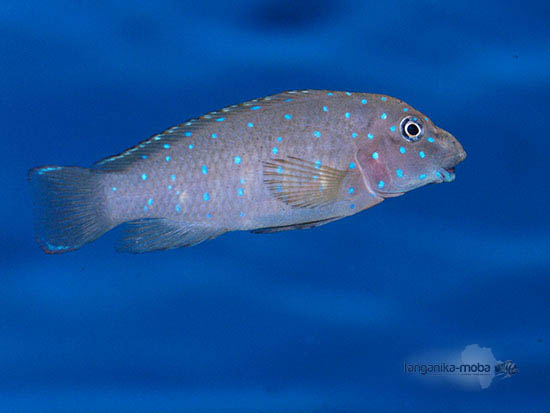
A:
x,y
411,130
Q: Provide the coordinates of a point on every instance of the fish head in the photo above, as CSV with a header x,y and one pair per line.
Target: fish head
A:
x,y
405,150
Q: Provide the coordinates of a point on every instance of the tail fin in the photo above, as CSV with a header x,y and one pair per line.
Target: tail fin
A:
x,y
69,207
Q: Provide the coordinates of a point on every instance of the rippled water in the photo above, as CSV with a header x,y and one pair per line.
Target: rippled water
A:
x,y
318,320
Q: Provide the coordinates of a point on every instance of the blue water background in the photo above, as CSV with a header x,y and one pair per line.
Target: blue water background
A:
x,y
319,320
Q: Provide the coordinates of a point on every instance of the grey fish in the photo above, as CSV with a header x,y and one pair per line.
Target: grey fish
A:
x,y
294,160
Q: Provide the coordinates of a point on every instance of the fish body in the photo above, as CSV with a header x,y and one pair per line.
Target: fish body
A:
x,y
293,160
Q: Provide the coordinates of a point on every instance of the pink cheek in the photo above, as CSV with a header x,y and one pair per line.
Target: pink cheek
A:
x,y
375,169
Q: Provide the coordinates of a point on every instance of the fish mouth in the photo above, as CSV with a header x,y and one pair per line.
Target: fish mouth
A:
x,y
447,173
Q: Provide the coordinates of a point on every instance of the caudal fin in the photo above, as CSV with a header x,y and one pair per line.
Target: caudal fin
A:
x,y
69,207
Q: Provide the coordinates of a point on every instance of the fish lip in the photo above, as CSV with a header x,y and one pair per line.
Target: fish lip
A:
x,y
447,171
447,174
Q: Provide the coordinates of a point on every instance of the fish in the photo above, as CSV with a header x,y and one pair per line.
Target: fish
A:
x,y
294,160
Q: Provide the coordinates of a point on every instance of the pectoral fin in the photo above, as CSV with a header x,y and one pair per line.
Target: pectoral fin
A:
x,y
302,183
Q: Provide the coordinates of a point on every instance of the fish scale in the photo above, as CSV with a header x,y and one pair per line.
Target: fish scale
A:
x,y
293,160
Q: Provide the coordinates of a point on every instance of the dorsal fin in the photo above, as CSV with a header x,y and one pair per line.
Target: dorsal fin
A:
x,y
190,128
302,183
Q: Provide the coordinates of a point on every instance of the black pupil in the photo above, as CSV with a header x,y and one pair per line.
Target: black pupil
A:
x,y
412,129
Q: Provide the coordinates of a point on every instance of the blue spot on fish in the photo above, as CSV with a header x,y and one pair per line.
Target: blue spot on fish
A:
x,y
393,128
114,188
352,165
352,190
318,164
242,181
48,169
370,136
255,107
241,192
191,146
325,109
348,115
384,98
178,207
330,94
173,177
168,158
352,206
250,125
364,101
375,155
275,150
188,133
151,201
399,173
144,156
238,160
423,176
354,135
384,115
402,149
144,177
430,139
405,109
288,116
381,184
422,154
280,139
214,136
220,119
206,196
204,169
317,134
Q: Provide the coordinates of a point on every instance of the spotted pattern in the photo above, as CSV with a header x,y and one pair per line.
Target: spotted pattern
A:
x,y
244,190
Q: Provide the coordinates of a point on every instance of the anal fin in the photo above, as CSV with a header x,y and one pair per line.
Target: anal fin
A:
x,y
152,234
